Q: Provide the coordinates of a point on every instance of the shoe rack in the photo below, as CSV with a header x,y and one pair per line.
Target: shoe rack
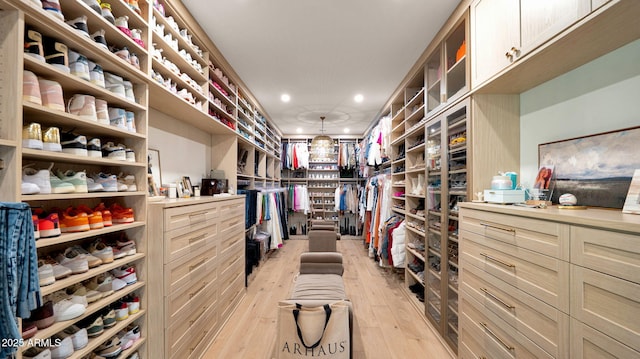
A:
x,y
221,105
14,19
321,178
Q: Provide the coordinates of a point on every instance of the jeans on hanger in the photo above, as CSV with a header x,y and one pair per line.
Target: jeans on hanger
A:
x,y
19,265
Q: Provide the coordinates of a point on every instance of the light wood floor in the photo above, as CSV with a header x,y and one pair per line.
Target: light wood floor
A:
x,y
386,324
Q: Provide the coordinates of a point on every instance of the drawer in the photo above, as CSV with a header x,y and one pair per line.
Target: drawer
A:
x,y
190,239
544,277
179,217
608,303
190,267
181,300
610,252
487,336
230,299
228,271
544,237
587,342
185,347
230,238
232,208
183,327
543,324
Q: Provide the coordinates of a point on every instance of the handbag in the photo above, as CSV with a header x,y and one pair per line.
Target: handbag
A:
x,y
310,332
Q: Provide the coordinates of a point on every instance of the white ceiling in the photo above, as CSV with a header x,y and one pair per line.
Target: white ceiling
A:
x,y
322,53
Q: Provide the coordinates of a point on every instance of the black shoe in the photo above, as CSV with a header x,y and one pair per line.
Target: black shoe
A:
x,y
33,44
56,53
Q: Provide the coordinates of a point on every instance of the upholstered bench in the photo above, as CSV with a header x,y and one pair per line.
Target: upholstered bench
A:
x,y
320,282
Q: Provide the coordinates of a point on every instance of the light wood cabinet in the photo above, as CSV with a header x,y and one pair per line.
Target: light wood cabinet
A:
x,y
197,263
504,30
15,112
587,310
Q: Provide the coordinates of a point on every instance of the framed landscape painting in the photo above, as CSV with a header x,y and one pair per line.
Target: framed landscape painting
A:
x,y
597,169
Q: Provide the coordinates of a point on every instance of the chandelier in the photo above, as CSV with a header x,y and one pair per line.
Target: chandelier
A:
x,y
322,145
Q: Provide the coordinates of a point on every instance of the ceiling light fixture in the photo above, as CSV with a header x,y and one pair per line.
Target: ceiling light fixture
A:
x,y
346,130
298,130
285,97
358,98
321,145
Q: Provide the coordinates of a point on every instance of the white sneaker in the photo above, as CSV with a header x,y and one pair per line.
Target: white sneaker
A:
x,y
78,336
93,186
79,64
73,260
77,179
130,121
108,182
39,178
115,84
59,186
29,188
45,274
94,148
118,117
65,309
128,90
129,181
113,152
130,155
102,112
63,349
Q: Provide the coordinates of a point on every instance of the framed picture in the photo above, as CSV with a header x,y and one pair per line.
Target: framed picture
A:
x,y
153,189
597,169
632,203
153,158
187,187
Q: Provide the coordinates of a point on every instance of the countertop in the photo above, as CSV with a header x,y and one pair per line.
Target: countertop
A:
x,y
612,219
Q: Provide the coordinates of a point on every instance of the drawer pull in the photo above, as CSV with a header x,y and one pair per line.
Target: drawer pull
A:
x,y
196,239
505,345
201,262
191,295
511,230
509,306
197,214
498,260
197,317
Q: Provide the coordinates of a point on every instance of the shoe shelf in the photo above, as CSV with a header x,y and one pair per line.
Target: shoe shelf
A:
x,y
166,72
411,215
159,19
172,55
398,210
221,111
41,155
136,345
94,343
217,76
46,116
73,84
103,268
221,96
48,24
8,143
93,308
70,237
74,8
69,196
416,231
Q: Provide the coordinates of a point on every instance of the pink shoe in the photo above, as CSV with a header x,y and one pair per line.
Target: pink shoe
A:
x,y
51,94
31,88
83,106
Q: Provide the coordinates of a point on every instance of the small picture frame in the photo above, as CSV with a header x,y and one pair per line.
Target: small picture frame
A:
x,y
153,189
632,202
180,189
153,157
186,182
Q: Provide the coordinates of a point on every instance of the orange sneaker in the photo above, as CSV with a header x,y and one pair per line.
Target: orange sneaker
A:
x,y
95,217
74,221
106,214
120,214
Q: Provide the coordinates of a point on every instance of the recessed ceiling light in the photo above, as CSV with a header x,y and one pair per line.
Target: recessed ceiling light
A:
x,y
346,130
299,130
285,97
358,98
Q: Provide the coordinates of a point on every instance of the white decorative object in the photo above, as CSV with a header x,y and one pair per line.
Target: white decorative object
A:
x,y
632,202
568,199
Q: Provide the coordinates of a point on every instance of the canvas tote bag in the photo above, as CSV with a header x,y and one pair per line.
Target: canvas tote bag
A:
x,y
310,332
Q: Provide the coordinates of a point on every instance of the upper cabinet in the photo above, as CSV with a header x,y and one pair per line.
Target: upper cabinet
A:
x,y
447,68
505,30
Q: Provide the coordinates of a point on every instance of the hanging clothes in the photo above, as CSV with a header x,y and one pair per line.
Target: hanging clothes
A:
x,y
21,288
